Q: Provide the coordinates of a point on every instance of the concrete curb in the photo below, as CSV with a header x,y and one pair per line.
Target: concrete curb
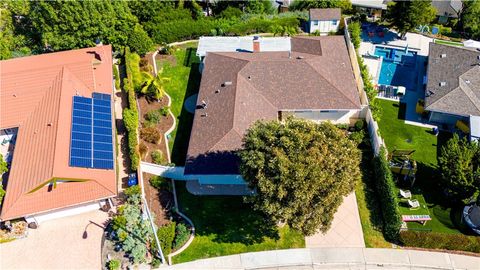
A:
x,y
337,258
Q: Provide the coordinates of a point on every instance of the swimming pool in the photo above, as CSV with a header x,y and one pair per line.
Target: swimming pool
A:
x,y
398,67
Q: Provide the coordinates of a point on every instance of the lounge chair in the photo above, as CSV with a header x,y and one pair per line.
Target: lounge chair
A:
x,y
414,204
406,194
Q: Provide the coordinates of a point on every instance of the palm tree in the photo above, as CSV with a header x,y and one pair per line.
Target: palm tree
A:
x,y
154,86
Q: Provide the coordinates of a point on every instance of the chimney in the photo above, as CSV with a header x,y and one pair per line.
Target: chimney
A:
x,y
256,44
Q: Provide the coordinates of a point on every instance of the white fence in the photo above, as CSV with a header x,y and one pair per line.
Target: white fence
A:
x,y
375,138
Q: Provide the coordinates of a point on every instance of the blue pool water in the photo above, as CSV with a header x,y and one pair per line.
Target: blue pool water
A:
x,y
398,67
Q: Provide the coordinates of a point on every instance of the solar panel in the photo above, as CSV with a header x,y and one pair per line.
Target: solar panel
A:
x,y
91,135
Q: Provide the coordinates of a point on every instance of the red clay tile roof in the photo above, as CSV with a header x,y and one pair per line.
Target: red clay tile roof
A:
x,y
36,96
325,14
317,75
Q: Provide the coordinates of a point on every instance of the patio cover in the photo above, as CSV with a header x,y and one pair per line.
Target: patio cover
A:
x,y
472,43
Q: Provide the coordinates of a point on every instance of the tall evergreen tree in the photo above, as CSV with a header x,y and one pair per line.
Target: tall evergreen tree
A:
x,y
470,18
300,171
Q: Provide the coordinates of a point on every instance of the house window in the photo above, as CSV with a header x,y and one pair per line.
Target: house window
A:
x,y
334,22
315,22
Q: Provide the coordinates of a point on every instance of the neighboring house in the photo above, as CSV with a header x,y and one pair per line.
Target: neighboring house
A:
x,y
372,8
314,80
63,155
324,20
447,9
453,84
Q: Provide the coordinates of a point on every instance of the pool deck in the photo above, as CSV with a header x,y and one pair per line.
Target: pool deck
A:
x,y
415,42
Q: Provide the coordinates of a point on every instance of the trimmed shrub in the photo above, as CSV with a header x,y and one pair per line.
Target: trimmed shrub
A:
x,y
159,182
150,134
182,235
388,197
142,149
166,235
157,157
434,240
355,32
114,265
132,65
359,125
117,77
154,116
164,110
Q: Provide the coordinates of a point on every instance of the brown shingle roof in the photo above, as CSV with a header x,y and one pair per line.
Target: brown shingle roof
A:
x,y
317,75
459,69
36,96
325,14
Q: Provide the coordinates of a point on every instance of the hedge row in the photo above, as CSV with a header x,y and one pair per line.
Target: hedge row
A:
x,y
355,31
132,66
116,76
434,240
388,197
187,28
130,115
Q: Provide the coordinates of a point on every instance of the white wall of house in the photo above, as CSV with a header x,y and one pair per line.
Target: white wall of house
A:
x,y
445,118
334,116
324,27
65,212
214,179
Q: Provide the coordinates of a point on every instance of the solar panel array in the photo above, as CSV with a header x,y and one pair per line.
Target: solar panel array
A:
x,y
91,136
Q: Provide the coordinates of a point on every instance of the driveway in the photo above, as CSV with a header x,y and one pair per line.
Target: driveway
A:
x,y
346,230
58,244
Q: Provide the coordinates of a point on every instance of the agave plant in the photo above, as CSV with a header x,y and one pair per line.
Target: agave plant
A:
x,y
154,86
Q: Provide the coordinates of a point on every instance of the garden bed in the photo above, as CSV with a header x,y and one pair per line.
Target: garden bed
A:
x,y
160,200
165,121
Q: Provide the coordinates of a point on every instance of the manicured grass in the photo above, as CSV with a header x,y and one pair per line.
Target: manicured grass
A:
x,y
225,225
445,42
184,82
398,135
368,204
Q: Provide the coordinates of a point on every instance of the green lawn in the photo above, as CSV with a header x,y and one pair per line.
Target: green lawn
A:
x,y
184,82
225,225
398,135
451,43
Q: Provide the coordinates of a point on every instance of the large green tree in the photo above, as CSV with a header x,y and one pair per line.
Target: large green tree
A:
x,y
459,163
345,5
407,15
139,41
12,39
470,18
64,25
300,171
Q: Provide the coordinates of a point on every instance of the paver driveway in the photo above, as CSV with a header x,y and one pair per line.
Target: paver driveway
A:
x,y
58,244
346,230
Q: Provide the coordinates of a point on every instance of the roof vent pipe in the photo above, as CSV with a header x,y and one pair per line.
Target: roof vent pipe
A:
x,y
443,83
256,44
443,55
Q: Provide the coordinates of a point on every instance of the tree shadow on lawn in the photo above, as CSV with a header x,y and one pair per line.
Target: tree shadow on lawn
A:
x,y
185,120
227,218
368,181
428,181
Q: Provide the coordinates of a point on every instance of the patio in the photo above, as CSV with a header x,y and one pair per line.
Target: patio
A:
x,y
58,244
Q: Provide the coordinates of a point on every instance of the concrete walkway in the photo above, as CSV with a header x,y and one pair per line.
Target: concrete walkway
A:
x,y
58,244
336,258
346,230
